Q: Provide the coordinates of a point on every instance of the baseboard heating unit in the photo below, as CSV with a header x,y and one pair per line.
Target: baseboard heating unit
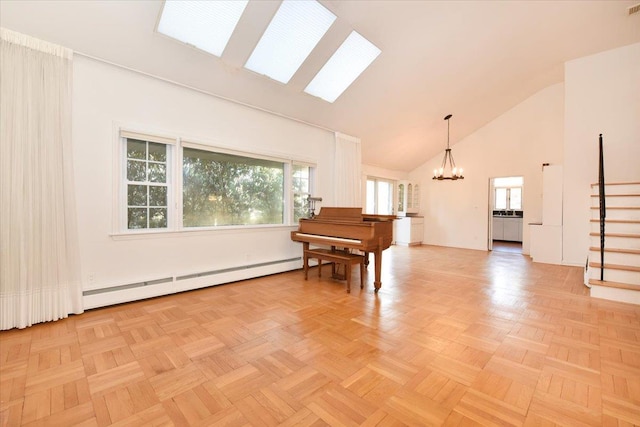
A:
x,y
121,293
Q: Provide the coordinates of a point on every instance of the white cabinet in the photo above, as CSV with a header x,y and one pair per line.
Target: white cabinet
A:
x,y
508,229
546,238
498,229
408,231
408,198
552,195
520,232
546,243
417,231
513,229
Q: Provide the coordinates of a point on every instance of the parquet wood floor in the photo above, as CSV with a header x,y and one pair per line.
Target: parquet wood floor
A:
x,y
454,337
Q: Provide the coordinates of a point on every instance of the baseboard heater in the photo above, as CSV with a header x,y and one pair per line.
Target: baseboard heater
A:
x,y
128,286
232,269
117,294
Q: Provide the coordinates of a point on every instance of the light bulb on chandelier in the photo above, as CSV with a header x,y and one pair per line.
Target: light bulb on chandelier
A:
x,y
456,173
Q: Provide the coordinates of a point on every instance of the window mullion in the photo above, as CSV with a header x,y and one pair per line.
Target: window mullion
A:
x,y
146,183
177,187
123,193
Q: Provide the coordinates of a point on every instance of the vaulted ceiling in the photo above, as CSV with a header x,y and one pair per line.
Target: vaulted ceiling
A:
x,y
472,59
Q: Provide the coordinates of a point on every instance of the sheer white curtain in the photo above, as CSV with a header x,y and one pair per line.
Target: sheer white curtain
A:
x,y
348,169
39,271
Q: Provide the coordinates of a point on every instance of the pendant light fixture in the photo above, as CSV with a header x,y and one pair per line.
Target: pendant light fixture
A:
x,y
448,162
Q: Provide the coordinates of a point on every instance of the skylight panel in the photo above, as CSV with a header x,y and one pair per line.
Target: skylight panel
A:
x,y
346,64
295,30
207,25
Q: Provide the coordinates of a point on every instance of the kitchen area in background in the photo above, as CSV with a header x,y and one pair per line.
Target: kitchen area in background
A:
x,y
506,214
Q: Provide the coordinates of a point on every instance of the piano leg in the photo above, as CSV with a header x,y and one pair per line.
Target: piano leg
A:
x,y
305,248
378,268
334,272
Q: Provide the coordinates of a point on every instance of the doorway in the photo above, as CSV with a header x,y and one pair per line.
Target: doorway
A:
x,y
506,213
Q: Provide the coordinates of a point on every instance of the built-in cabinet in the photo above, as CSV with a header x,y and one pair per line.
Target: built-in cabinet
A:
x,y
552,195
546,238
498,228
506,228
408,231
408,198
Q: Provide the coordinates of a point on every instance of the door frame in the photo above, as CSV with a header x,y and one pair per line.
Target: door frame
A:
x,y
491,198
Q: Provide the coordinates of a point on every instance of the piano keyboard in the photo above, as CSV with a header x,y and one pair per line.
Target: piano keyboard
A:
x,y
331,239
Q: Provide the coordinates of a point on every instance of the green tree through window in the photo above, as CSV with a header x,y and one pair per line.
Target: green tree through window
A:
x,y
301,185
224,189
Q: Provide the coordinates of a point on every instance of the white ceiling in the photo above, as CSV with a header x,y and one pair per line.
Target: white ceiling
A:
x,y
473,59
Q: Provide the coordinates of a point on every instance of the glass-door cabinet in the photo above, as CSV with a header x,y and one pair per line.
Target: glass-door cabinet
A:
x,y
408,198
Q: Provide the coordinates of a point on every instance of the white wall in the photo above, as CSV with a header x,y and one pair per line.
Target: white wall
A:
x,y
602,96
106,96
515,144
378,172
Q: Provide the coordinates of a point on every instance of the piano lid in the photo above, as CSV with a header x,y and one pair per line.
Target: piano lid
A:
x,y
334,214
340,214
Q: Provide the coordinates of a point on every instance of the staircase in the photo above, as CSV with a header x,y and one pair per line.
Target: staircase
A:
x,y
621,281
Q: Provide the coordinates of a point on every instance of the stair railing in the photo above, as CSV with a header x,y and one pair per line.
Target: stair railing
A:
x,y
603,208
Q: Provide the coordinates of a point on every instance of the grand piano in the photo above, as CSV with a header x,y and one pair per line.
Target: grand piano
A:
x,y
348,228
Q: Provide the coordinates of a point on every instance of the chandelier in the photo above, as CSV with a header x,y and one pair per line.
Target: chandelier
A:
x,y
453,172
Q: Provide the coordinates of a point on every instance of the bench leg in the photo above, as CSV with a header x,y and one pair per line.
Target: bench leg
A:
x,y
347,268
337,262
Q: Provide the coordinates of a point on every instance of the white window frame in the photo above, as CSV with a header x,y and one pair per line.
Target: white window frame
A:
x,y
392,185
213,149
292,193
508,198
174,164
121,222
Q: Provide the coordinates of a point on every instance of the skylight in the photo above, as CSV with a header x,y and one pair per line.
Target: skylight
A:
x,y
295,30
346,64
207,25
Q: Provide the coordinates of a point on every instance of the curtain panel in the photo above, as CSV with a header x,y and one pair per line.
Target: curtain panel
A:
x,y
347,171
39,258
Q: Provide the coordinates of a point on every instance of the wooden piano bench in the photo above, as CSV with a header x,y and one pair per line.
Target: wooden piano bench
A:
x,y
335,257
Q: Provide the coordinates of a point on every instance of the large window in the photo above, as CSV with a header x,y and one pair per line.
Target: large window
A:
x,y
216,188
225,189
